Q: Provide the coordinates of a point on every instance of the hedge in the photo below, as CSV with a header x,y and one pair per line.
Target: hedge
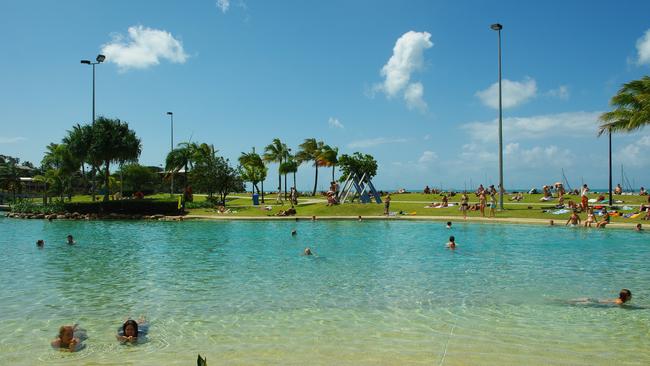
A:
x,y
129,207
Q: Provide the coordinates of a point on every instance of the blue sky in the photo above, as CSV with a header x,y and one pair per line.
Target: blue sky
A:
x,y
411,83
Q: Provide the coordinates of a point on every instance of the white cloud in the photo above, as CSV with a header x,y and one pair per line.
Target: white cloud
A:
x,y
413,97
427,157
11,140
562,92
477,154
513,93
143,47
407,58
636,154
224,5
537,127
643,49
426,137
335,123
538,156
374,142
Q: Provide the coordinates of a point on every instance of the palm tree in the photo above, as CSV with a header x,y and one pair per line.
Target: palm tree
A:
x,y
59,164
113,141
254,170
276,152
183,156
631,108
10,175
311,150
330,158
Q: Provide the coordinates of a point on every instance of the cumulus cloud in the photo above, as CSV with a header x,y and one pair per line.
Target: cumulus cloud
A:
x,y
562,92
375,142
427,157
335,123
513,93
643,49
143,47
223,5
407,58
413,97
538,156
11,140
537,127
636,153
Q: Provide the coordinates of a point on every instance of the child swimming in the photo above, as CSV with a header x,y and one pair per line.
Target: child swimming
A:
x,y
66,340
452,243
131,330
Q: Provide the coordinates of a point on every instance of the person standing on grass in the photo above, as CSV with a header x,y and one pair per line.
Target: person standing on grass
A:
x,y
584,201
493,205
481,203
386,204
464,205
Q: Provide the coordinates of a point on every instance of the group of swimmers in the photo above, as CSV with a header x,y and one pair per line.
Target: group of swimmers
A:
x,y
71,337
41,243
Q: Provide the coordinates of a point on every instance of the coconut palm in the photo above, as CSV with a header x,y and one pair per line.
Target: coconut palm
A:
x,y
312,150
113,141
10,175
276,152
184,157
631,108
330,158
60,164
254,170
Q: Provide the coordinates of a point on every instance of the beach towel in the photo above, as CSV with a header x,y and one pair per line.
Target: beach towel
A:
x,y
560,212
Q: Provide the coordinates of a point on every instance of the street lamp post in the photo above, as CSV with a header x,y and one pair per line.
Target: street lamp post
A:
x,y
497,27
611,201
99,59
171,115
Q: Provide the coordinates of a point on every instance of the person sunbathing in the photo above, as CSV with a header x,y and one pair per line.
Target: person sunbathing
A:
x,y
591,219
605,221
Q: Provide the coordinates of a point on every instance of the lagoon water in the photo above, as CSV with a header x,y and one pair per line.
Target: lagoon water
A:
x,y
377,292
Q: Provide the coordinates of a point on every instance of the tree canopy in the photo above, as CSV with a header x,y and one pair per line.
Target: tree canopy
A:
x,y
631,108
359,164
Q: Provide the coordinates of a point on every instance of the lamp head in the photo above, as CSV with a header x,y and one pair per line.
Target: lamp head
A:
x,y
101,58
496,26
87,62
170,113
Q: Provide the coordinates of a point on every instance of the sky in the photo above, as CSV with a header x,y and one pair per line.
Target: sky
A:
x,y
413,83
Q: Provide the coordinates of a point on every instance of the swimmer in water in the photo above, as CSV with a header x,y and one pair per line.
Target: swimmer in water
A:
x,y
66,341
40,243
132,329
448,224
638,227
624,296
308,251
70,240
551,223
294,232
452,243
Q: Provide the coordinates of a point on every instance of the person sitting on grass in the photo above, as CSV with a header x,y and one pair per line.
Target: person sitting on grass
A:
x,y
517,197
66,340
605,220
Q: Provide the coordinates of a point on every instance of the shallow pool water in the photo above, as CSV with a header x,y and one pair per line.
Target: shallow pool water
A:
x,y
376,292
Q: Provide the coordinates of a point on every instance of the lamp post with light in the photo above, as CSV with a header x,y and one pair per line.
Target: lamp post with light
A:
x,y
99,59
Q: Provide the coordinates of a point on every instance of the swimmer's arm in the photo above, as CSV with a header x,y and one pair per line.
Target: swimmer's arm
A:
x,y
56,343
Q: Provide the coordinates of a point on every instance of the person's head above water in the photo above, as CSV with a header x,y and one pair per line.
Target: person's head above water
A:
x,y
308,251
40,243
70,239
130,328
448,224
624,296
66,334
293,232
452,239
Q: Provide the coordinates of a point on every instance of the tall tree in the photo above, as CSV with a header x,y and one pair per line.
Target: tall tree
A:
x,y
182,157
276,152
253,169
113,141
79,140
10,175
312,150
60,165
631,108
358,164
330,158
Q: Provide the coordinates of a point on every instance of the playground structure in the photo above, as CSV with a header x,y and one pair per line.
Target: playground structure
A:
x,y
355,187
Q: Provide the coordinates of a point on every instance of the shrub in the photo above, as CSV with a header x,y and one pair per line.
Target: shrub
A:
x,y
129,207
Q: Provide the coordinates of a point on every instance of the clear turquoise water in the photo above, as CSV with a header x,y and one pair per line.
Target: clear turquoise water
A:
x,y
377,293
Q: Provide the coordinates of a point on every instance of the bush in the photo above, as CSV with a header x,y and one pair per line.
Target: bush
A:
x,y
25,206
129,207
202,204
